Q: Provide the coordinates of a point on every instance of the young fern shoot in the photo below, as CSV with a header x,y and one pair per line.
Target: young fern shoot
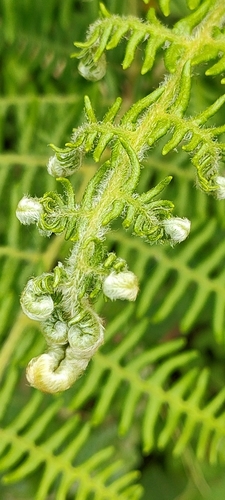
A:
x,y
63,299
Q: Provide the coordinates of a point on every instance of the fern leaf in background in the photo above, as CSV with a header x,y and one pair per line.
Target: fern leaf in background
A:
x,y
148,413
22,444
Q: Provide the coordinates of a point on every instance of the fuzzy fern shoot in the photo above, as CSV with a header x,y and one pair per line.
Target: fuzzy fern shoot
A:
x,y
63,300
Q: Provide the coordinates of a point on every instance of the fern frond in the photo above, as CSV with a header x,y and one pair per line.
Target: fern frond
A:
x,y
205,279
178,42
158,113
95,136
144,210
42,60
25,447
112,29
149,375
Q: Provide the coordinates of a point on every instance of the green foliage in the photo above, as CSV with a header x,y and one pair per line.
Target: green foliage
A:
x,y
19,446
154,389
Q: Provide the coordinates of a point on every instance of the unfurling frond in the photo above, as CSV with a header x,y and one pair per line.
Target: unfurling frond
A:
x,y
62,299
158,114
179,43
148,215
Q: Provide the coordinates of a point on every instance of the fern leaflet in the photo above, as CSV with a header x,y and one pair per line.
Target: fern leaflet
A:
x,y
183,399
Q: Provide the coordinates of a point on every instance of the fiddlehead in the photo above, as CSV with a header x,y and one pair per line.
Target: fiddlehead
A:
x,y
71,346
